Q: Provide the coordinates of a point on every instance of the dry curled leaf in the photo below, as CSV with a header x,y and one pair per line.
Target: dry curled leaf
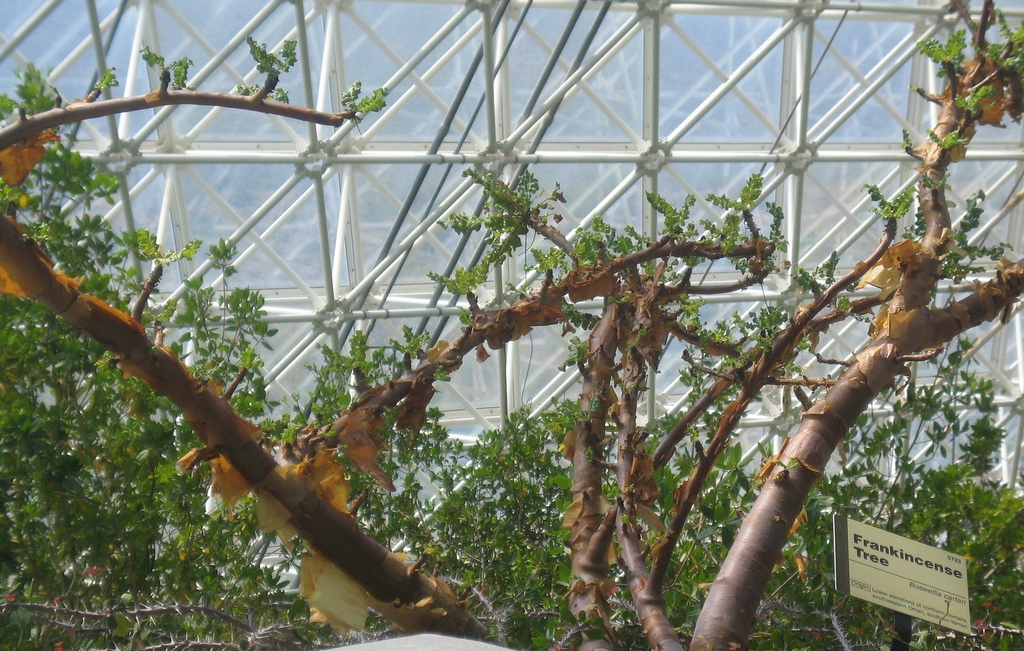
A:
x,y
481,354
412,413
361,443
641,476
572,513
611,554
801,518
323,475
568,446
18,160
650,518
991,104
193,457
228,483
801,566
437,350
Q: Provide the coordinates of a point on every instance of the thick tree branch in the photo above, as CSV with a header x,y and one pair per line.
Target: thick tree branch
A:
x,y
907,326
589,507
356,430
408,598
728,613
79,111
651,607
785,342
753,382
760,374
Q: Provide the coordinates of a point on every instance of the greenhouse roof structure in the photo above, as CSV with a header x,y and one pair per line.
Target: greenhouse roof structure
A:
x,y
610,100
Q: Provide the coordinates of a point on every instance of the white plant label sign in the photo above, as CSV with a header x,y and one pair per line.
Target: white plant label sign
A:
x,y
901,574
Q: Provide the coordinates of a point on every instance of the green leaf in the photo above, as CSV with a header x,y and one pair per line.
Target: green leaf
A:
x,y
144,245
950,52
107,80
676,219
351,96
351,100
152,59
178,70
894,208
122,625
269,63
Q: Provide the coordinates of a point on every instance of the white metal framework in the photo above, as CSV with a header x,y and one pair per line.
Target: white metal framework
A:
x,y
608,99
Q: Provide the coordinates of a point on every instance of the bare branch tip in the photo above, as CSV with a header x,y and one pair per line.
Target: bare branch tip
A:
x,y
147,290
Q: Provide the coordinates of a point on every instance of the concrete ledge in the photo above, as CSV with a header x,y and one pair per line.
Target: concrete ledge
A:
x,y
425,642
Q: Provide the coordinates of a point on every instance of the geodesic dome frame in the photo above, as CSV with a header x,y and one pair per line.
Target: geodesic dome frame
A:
x,y
610,100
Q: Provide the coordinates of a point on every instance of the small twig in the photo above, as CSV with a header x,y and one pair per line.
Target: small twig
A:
x,y
698,448
834,362
775,604
602,537
711,289
986,12
552,234
188,645
715,348
498,620
418,565
924,355
748,219
837,626
934,99
732,376
48,610
566,641
353,508
147,290
235,383
983,631
965,15
858,306
809,382
805,401
268,87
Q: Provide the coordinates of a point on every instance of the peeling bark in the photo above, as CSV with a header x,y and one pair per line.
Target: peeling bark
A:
x,y
635,470
728,614
409,597
588,550
907,326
